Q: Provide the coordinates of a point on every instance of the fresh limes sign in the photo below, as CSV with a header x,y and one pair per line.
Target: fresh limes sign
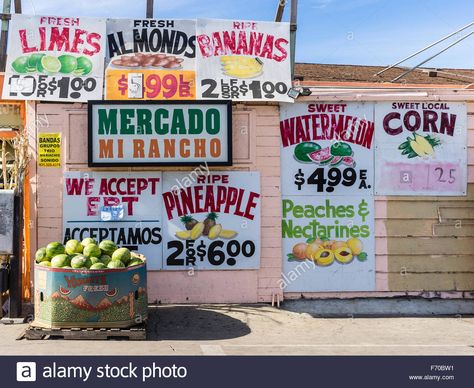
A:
x,y
54,58
164,133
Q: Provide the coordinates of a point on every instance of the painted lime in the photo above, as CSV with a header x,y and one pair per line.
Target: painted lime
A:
x,y
54,248
98,266
40,255
80,261
49,64
73,246
108,247
68,63
84,66
341,149
91,250
87,241
60,261
20,65
33,60
122,254
115,264
302,151
105,259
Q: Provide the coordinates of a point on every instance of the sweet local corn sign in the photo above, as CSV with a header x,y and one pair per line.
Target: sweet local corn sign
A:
x,y
162,133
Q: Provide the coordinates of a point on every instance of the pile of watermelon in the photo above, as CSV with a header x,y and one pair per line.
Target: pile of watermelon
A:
x,y
87,254
334,155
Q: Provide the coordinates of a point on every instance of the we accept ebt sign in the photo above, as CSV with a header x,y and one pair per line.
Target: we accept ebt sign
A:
x,y
421,148
89,199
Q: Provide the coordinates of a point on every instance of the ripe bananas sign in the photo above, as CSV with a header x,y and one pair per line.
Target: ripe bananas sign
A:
x,y
421,148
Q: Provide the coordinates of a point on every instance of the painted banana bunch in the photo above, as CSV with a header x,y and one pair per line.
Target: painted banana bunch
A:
x,y
419,146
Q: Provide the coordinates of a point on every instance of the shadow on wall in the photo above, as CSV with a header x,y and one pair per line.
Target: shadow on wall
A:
x,y
192,323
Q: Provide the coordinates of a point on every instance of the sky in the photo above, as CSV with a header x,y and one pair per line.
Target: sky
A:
x,y
364,32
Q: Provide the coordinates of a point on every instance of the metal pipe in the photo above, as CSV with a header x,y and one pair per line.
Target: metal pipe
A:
x,y
4,35
149,9
280,10
433,56
293,20
424,49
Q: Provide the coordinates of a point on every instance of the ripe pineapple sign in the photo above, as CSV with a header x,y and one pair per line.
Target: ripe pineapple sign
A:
x,y
54,58
421,148
211,220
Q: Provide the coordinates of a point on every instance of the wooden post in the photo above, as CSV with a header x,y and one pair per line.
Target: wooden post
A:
x,y
4,33
17,6
293,19
149,9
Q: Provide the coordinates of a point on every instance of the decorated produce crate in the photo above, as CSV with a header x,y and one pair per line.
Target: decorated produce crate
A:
x,y
89,288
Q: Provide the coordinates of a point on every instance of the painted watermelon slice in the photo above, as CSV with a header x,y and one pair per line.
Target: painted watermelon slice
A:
x,y
322,156
336,161
111,293
349,161
64,291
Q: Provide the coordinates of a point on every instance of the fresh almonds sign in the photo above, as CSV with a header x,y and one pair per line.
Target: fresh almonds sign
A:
x,y
150,59
243,60
211,220
54,58
117,206
327,148
144,133
421,148
328,243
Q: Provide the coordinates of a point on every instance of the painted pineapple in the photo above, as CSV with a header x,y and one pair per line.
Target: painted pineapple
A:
x,y
209,222
189,222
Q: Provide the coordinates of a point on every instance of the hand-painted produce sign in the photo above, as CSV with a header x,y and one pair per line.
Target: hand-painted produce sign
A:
x,y
54,58
421,148
211,220
327,148
160,133
151,59
90,298
85,194
328,243
243,60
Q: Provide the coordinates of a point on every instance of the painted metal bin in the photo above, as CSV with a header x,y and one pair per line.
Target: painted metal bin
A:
x,y
90,298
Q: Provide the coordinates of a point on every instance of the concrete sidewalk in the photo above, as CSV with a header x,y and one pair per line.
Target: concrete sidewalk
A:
x,y
263,330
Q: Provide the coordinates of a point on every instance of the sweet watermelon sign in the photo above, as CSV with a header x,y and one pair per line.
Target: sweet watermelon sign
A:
x,y
327,148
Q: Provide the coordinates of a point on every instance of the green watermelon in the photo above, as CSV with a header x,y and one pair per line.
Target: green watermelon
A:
x,y
91,250
302,151
73,246
122,254
40,255
95,260
80,261
60,261
134,262
98,266
88,241
341,149
45,264
54,248
116,264
105,259
108,247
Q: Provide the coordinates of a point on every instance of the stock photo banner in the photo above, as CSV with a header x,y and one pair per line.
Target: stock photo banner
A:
x,y
55,58
328,243
421,148
123,207
151,59
211,221
327,148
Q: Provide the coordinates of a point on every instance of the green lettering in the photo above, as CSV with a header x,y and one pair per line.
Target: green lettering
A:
x,y
144,121
107,123
286,228
178,126
126,127
160,127
213,121
196,121
287,205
